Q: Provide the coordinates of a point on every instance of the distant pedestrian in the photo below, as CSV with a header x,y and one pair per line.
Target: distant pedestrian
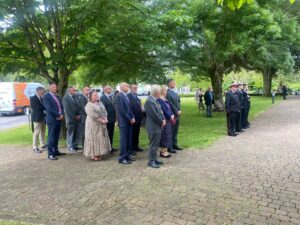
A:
x,y
209,101
284,92
38,119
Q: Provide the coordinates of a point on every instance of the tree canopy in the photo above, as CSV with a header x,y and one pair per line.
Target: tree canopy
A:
x,y
108,41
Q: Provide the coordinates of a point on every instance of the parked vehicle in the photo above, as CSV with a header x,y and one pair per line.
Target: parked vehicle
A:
x,y
15,96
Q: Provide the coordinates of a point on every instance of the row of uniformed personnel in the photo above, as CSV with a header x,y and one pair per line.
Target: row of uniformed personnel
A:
x,y
237,106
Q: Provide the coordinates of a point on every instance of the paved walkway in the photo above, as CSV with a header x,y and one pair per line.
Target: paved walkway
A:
x,y
251,179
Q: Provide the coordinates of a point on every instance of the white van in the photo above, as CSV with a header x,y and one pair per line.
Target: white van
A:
x,y
15,96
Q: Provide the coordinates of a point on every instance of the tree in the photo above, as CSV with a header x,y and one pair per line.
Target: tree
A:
x,y
44,37
236,4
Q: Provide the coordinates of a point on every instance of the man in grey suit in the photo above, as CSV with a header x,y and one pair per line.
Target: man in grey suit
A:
x,y
174,101
155,121
72,115
83,99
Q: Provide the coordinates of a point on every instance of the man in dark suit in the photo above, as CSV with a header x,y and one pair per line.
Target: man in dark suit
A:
x,y
54,116
82,101
155,121
241,105
125,121
137,110
72,116
38,119
107,100
174,101
232,109
209,101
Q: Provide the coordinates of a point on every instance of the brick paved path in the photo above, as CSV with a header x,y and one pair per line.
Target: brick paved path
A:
x,y
251,179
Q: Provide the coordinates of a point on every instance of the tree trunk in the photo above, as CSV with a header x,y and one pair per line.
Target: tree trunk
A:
x,y
268,74
216,78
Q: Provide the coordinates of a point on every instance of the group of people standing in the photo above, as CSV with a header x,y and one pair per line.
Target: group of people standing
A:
x,y
91,120
237,105
209,100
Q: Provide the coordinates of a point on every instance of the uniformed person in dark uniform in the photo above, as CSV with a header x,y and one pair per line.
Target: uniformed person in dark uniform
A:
x,y
241,104
232,109
245,122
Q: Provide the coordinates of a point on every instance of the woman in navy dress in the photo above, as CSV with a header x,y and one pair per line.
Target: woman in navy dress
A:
x,y
166,136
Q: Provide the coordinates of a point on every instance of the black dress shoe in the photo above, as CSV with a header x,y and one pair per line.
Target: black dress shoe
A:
x,y
158,162
51,157
131,158
139,150
153,164
124,161
114,149
60,154
133,153
77,148
232,135
171,150
44,146
176,147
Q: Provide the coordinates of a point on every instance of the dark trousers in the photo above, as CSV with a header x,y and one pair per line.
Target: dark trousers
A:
x,y
154,140
175,132
81,134
72,135
238,126
135,136
111,130
231,122
246,116
243,116
125,142
53,137
208,110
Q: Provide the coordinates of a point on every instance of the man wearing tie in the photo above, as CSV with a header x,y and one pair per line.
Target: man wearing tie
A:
x,y
72,115
174,101
136,108
125,121
54,116
107,100
38,119
82,101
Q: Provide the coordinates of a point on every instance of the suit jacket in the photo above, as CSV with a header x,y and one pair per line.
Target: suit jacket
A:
x,y
154,116
82,101
241,98
232,102
52,111
166,108
71,107
38,109
136,107
174,101
209,100
246,102
124,112
110,108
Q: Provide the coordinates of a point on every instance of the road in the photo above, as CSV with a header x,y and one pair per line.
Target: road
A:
x,y
7,122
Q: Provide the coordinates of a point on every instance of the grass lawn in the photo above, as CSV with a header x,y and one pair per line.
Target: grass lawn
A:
x,y
196,131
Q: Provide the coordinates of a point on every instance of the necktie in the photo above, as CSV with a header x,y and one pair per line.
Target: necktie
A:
x,y
57,103
110,98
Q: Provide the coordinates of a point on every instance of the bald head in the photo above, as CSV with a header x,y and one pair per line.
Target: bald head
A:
x,y
124,87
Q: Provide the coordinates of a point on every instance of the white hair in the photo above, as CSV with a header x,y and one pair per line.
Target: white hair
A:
x,y
155,89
